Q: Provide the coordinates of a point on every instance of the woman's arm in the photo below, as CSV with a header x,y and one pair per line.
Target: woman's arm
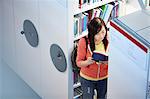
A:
x,y
81,54
83,63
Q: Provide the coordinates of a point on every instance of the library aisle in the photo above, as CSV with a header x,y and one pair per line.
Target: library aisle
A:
x,y
38,36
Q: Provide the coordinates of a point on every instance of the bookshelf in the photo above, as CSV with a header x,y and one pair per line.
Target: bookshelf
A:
x,y
88,6
77,10
103,9
54,21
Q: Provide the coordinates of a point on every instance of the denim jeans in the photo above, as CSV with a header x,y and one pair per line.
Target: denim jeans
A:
x,y
88,87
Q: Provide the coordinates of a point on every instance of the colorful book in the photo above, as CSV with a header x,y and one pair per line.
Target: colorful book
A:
x,y
107,12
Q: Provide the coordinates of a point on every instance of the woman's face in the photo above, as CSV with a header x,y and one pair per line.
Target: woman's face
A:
x,y
100,35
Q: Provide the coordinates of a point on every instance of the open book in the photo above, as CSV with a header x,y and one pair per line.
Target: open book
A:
x,y
98,56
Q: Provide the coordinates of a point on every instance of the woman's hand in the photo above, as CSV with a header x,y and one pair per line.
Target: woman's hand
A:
x,y
89,61
104,62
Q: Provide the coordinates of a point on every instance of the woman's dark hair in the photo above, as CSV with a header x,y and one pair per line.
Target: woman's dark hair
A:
x,y
94,26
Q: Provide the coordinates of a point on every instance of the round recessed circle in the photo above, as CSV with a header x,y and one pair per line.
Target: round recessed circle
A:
x,y
30,33
58,57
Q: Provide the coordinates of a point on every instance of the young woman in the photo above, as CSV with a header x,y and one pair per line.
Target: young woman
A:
x,y
93,74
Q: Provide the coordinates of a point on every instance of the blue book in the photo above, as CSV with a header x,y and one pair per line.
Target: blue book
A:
x,y
99,57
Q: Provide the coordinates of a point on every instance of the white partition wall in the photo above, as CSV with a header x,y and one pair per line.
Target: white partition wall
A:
x,y
53,30
127,71
11,86
28,57
129,57
8,35
33,63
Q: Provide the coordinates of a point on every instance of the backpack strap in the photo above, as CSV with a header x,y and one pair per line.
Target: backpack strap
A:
x,y
86,41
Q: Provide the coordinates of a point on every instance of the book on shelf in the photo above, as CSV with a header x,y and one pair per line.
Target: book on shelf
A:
x,y
77,93
106,12
76,26
80,22
107,9
115,11
95,13
84,21
83,3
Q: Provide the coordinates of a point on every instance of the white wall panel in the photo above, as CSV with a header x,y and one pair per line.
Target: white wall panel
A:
x,y
127,68
53,29
8,35
28,57
34,64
